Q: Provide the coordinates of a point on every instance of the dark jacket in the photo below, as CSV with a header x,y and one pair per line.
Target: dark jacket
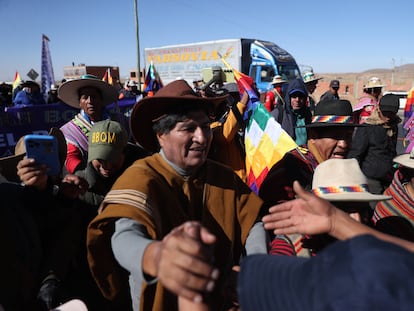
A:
x,y
374,149
289,117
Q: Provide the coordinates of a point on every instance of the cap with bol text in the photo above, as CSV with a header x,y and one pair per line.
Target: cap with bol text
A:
x,y
107,140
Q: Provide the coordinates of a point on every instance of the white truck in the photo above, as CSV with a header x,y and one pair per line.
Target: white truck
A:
x,y
259,59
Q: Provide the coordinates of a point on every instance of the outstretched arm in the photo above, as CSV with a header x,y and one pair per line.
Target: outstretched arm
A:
x,y
309,214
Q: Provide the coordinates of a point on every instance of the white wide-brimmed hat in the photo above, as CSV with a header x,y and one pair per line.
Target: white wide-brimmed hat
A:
x,y
310,77
406,159
278,80
342,180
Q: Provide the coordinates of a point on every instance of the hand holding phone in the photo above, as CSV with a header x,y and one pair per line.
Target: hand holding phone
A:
x,y
44,149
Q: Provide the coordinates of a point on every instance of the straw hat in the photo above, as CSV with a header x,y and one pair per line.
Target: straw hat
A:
x,y
373,82
342,180
310,77
278,80
149,109
68,92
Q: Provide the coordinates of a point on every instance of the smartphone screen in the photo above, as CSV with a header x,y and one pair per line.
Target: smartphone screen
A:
x,y
44,149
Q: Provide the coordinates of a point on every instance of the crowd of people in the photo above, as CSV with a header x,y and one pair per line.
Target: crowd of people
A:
x,y
165,219
27,93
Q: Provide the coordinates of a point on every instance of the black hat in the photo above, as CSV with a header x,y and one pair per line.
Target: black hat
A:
x,y
332,112
334,83
389,102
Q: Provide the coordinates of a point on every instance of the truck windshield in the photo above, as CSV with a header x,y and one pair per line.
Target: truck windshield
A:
x,y
288,71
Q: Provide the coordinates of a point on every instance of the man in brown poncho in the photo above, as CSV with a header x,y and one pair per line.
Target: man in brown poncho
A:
x,y
137,248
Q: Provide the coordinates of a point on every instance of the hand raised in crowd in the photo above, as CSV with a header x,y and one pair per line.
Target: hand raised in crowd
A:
x,y
32,173
72,186
183,261
308,214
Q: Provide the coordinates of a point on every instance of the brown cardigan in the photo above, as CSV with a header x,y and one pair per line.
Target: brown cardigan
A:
x,y
152,193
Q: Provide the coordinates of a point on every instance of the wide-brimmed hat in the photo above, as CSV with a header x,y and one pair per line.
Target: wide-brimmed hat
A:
x,y
278,80
68,92
362,273
8,165
406,159
342,180
373,82
166,100
309,77
332,112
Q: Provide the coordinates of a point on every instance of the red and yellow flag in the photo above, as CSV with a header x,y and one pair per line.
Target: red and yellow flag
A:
x,y
17,80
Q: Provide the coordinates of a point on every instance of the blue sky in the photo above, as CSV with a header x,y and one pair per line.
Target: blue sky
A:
x,y
375,34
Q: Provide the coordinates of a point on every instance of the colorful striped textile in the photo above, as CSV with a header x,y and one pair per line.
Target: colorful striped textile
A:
x,y
401,203
340,189
333,119
266,143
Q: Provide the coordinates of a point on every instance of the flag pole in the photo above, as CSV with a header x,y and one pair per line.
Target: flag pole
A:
x,y
138,51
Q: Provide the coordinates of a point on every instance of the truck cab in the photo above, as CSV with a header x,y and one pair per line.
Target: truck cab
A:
x,y
268,60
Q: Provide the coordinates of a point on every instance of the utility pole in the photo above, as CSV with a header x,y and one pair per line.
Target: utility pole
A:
x,y
392,72
138,51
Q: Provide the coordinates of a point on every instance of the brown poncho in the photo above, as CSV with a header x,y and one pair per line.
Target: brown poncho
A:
x,y
154,194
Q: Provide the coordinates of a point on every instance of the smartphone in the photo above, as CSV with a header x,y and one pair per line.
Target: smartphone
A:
x,y
44,149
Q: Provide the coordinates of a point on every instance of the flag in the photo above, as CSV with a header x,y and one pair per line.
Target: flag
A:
x,y
265,141
108,77
245,84
48,77
17,80
409,105
152,81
